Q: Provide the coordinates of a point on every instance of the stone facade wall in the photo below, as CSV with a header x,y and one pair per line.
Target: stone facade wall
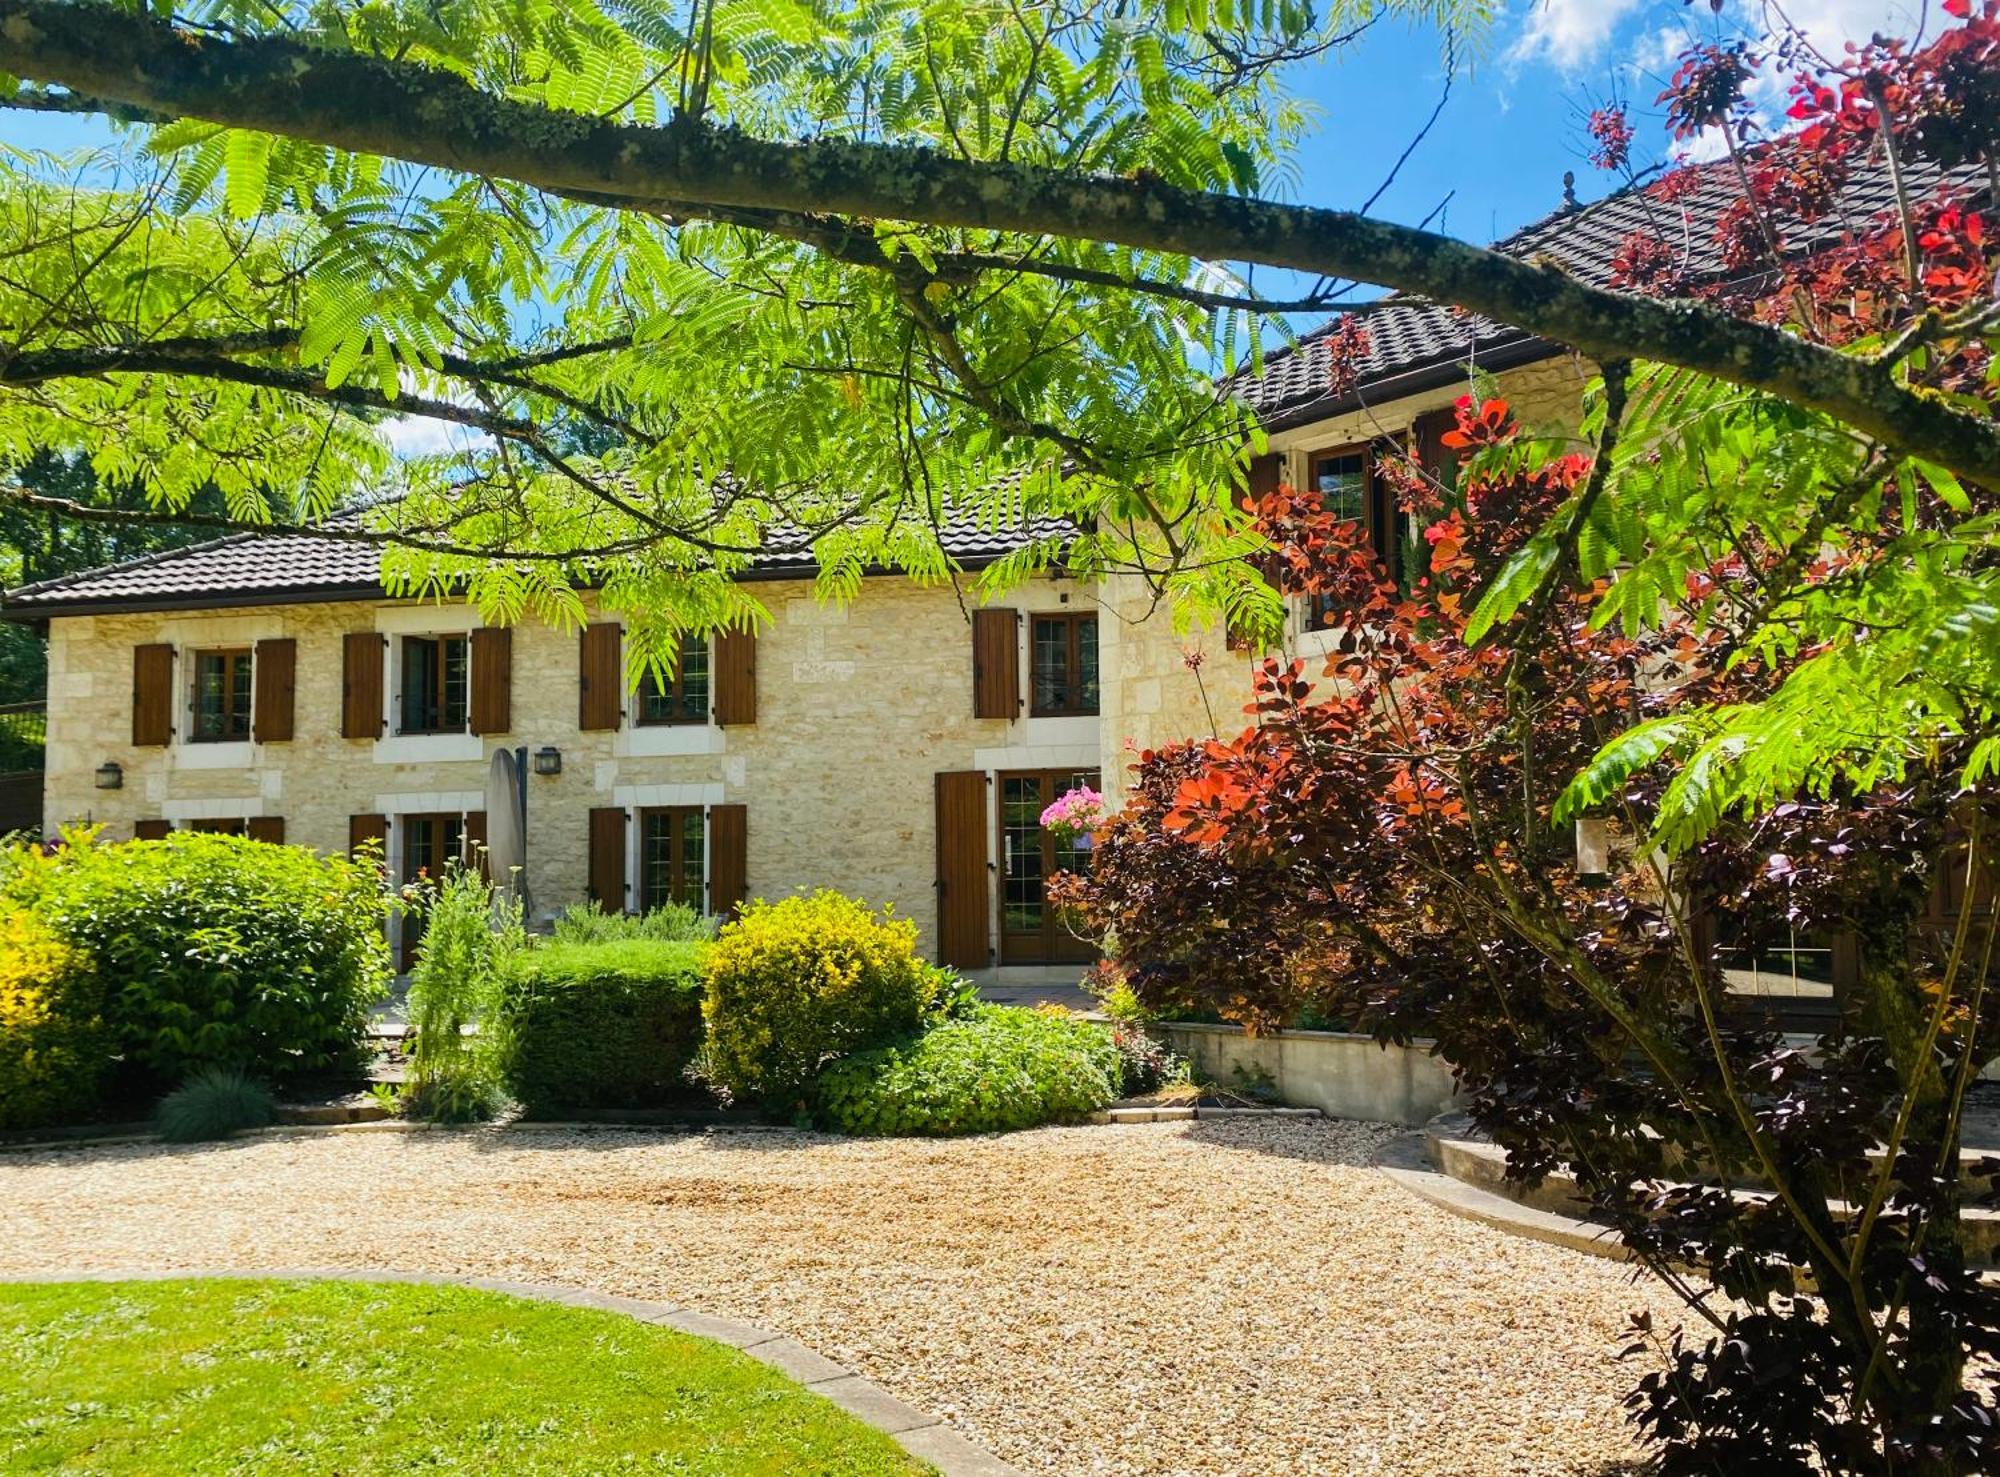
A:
x,y
858,707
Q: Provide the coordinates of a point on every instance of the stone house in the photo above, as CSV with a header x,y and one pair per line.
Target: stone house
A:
x,y
898,747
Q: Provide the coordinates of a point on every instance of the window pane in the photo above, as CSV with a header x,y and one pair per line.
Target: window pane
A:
x,y
1342,482
656,857
1022,801
694,870
456,681
694,682
1086,651
208,695
1049,665
238,722
420,683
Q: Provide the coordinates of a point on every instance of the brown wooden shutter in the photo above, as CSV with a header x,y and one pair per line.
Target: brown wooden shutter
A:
x,y
607,857
492,680
962,881
361,685
733,664
600,676
996,664
472,842
269,828
152,695
362,829
277,664
151,829
1263,477
1381,505
728,859
1427,442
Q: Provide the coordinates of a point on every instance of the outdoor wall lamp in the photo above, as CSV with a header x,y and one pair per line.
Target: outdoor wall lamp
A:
x,y
548,760
110,776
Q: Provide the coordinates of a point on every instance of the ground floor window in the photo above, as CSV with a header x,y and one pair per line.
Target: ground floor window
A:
x,y
1032,930
430,844
673,858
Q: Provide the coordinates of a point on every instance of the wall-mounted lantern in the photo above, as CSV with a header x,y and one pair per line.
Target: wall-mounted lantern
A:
x,y
110,775
548,760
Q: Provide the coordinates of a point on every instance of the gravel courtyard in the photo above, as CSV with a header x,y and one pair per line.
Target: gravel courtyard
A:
x,y
1170,1298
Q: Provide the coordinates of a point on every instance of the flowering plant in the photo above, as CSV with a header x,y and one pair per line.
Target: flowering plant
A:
x,y
1074,814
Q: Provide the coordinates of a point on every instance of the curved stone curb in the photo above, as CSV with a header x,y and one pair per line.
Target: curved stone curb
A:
x,y
1403,1159
922,1436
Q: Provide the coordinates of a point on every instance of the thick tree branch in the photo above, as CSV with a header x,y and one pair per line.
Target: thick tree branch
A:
x,y
431,117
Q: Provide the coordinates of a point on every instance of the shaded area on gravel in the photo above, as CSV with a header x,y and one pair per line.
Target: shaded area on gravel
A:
x,y
1213,1297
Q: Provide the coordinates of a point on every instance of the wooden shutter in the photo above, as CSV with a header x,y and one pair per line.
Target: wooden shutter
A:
x,y
962,879
1427,443
277,664
362,829
600,676
1380,503
733,672
361,685
492,680
728,859
996,664
1265,475
269,828
153,829
152,695
607,857
472,842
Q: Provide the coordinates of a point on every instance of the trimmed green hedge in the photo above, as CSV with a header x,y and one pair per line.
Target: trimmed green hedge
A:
x,y
213,950
999,1068
601,1025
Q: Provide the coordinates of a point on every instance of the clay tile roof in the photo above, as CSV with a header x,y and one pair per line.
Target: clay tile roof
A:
x,y
1417,344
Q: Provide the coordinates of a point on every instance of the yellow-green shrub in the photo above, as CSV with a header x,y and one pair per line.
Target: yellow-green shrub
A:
x,y
54,1050
796,983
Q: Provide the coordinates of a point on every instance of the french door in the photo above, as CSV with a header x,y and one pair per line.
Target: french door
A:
x,y
1031,930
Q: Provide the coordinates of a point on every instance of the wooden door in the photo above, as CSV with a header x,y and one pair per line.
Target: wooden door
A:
x,y
1031,930
962,875
430,843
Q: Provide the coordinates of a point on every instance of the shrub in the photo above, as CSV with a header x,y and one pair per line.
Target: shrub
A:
x,y
1146,1064
214,950
1001,1068
54,1047
213,1104
587,923
794,983
472,937
609,1025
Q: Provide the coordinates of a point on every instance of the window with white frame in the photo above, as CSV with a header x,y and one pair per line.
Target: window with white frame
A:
x,y
221,695
433,683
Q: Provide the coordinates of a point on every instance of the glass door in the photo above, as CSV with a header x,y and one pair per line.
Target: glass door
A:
x,y
1031,930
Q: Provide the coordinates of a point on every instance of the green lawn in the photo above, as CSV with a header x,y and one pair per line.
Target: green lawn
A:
x,y
353,1378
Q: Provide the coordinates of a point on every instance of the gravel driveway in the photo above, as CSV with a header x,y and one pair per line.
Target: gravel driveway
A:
x,y
1222,1297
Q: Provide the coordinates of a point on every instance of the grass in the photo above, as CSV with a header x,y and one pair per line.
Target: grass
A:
x,y
358,1378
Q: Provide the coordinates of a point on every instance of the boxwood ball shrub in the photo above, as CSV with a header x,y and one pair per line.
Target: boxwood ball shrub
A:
x,y
794,983
54,1049
998,1069
609,1025
214,950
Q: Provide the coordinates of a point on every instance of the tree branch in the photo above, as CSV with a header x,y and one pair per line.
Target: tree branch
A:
x,y
411,112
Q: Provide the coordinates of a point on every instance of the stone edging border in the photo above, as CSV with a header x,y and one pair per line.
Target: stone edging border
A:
x,y
1403,1159
922,1436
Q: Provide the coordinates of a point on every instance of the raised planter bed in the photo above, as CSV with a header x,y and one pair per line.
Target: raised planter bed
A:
x,y
1343,1075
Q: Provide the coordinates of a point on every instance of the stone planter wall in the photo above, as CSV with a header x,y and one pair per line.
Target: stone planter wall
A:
x,y
1342,1075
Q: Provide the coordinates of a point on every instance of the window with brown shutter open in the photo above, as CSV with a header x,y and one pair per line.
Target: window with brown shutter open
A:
x,y
152,695
492,680
222,696
996,664
607,857
728,859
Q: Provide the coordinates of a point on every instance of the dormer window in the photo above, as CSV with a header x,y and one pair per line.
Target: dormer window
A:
x,y
222,696
435,684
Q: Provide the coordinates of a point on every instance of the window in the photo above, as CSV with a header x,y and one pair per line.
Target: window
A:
x,y
1062,665
1341,479
435,684
1773,968
673,858
221,695
682,697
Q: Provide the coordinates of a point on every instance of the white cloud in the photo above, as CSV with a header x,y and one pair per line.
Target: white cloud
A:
x,y
418,435
1571,34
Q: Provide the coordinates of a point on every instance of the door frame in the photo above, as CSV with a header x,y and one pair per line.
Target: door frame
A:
x,y
1057,945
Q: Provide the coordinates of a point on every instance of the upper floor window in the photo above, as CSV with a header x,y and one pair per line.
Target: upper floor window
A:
x,y
1062,665
436,685
1341,479
222,689
681,697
